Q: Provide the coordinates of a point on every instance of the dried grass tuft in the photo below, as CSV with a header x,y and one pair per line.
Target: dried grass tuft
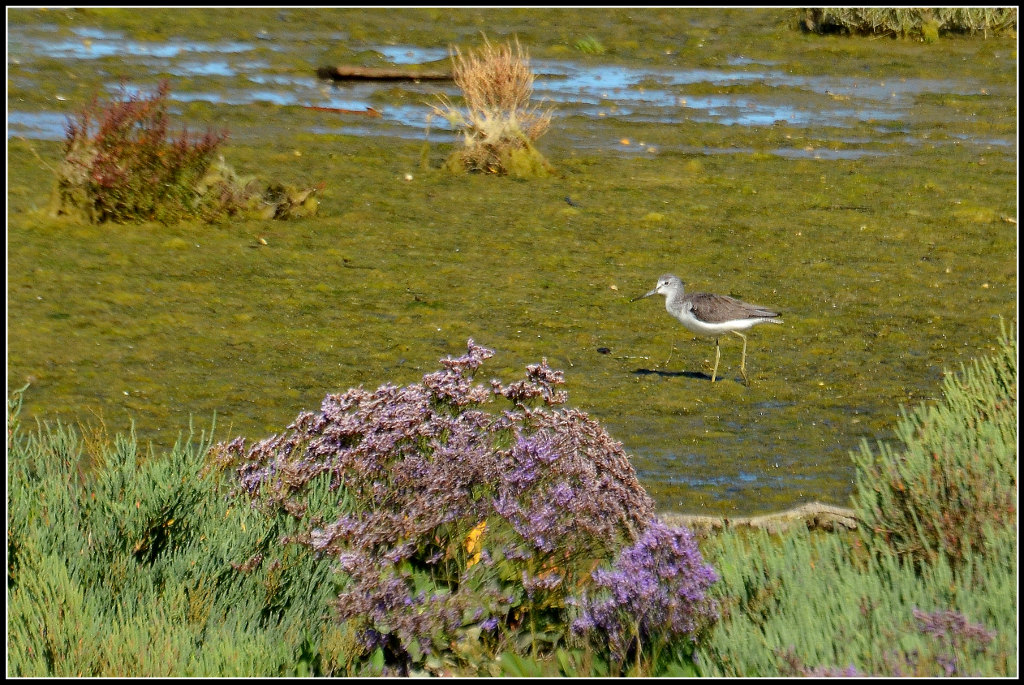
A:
x,y
498,122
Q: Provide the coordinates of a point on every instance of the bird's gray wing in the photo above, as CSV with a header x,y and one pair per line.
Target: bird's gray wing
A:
x,y
718,308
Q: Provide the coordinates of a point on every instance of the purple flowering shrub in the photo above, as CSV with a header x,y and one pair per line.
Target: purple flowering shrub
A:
x,y
463,531
654,595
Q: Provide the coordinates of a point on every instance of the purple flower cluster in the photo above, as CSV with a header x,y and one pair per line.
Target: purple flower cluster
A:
x,y
953,632
540,381
952,627
792,665
954,638
425,464
656,590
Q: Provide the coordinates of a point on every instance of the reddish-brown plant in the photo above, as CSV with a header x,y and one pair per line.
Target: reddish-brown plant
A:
x,y
122,164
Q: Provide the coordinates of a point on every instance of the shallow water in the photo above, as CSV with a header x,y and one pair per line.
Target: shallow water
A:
x,y
861,187
629,94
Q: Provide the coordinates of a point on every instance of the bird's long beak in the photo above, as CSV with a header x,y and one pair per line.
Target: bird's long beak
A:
x,y
643,296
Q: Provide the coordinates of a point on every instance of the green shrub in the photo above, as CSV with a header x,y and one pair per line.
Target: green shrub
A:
x,y
956,471
929,589
812,604
121,566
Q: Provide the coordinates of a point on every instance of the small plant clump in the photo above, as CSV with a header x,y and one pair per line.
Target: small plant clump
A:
x,y
499,126
466,533
122,165
590,46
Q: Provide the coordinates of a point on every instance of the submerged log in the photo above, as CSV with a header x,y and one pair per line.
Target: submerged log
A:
x,y
368,112
347,73
814,516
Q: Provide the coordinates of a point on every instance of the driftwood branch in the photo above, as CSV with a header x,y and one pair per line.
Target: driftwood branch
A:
x,y
815,516
345,73
368,112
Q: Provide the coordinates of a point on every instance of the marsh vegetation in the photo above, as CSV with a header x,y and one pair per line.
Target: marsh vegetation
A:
x,y
431,529
352,510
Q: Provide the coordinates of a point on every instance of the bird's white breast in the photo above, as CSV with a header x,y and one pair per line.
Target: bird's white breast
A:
x,y
686,317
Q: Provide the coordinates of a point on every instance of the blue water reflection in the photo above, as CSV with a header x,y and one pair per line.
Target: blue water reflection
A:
x,y
608,92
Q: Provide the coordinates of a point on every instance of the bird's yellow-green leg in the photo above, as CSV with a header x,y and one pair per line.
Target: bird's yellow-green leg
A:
x,y
718,355
670,351
743,359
